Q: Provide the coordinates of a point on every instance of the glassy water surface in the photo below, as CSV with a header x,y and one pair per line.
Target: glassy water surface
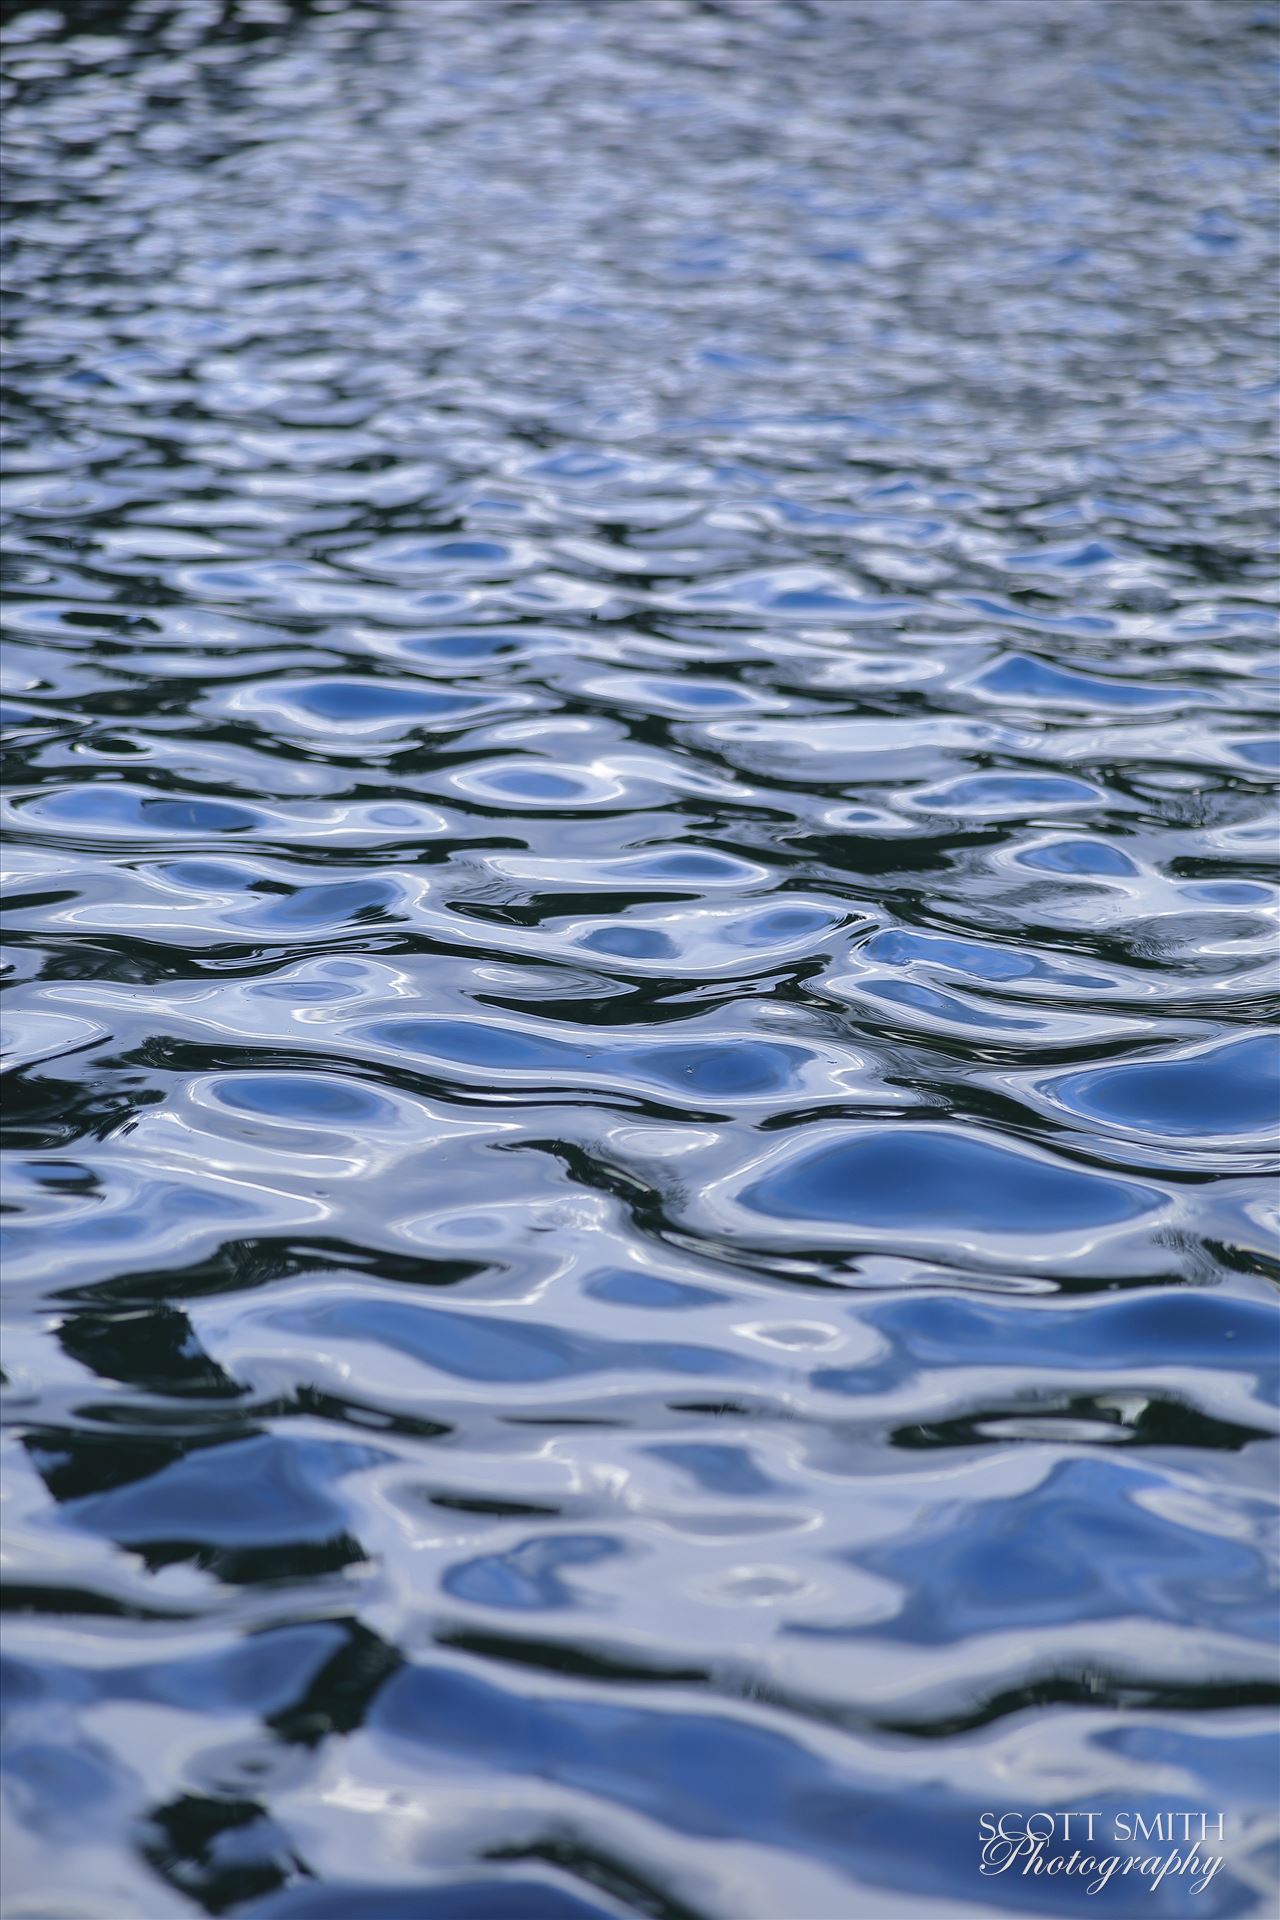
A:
x,y
640,675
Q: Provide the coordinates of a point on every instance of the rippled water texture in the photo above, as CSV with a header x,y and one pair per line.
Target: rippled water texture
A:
x,y
640,668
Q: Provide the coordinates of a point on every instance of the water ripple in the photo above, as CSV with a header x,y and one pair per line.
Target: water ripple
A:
x,y
639,1192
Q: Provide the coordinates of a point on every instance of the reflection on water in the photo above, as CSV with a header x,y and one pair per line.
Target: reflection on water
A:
x,y
640,677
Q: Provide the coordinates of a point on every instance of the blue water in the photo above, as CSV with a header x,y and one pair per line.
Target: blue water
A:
x,y
640,671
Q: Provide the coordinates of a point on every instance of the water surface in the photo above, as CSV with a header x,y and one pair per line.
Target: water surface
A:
x,y
640,671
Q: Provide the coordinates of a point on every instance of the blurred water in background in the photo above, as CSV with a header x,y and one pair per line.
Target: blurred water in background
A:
x,y
640,669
